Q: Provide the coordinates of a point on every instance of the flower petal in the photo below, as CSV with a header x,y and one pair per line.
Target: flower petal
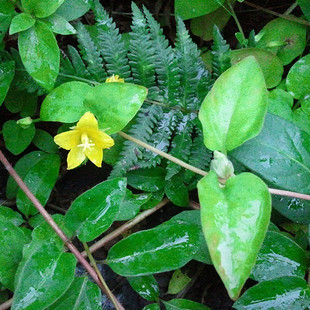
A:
x,y
100,138
95,155
68,140
75,157
88,120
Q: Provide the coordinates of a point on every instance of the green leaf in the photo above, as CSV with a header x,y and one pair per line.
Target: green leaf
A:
x,y
285,38
131,204
16,138
12,242
178,282
279,256
59,25
22,167
65,103
73,9
40,179
233,111
298,78
21,22
39,7
270,64
7,11
82,294
145,286
297,210
184,304
152,307
234,221
93,212
281,293
40,54
163,248
7,214
188,9
280,154
42,277
115,104
177,192
305,7
7,70
44,141
149,180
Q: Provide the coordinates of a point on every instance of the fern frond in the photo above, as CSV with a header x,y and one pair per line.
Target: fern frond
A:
x,y
111,44
90,54
166,63
181,145
142,129
221,54
141,53
160,139
191,66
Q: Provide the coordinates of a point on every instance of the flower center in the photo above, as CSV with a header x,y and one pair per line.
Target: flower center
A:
x,y
86,142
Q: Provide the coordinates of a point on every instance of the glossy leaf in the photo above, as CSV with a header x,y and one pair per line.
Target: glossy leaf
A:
x,y
149,180
234,221
297,210
7,214
233,111
145,286
22,167
115,104
130,205
44,141
305,7
188,9
82,294
270,64
12,242
152,307
7,70
285,38
42,277
184,304
7,11
298,78
16,138
178,282
40,54
177,192
73,9
281,293
65,103
93,212
39,7
165,247
279,256
59,25
40,179
21,22
280,154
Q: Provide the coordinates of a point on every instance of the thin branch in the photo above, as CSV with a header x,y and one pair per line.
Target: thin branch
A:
x,y
120,230
288,17
7,304
201,172
50,221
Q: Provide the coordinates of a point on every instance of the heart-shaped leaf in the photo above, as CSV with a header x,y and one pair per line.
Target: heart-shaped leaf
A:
x,y
234,219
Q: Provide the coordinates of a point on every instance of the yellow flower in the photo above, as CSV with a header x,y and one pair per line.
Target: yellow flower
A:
x,y
114,78
84,140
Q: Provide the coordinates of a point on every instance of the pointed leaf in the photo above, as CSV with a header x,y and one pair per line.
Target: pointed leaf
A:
x,y
234,110
7,70
39,7
40,54
21,22
73,9
234,221
115,104
145,286
93,212
59,25
184,304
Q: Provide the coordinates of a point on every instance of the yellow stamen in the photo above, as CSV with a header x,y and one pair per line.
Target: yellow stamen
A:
x,y
86,142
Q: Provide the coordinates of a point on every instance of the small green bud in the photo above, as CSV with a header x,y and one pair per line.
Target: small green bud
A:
x,y
24,122
222,166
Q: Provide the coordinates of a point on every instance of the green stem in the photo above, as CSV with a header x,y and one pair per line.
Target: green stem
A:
x,y
79,78
291,9
234,16
107,290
